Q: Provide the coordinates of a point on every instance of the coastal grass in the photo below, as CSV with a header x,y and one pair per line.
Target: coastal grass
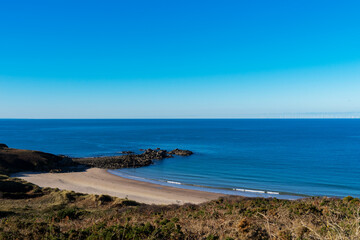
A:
x,y
30,212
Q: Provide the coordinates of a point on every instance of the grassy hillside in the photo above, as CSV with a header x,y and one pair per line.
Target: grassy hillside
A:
x,y
18,160
33,213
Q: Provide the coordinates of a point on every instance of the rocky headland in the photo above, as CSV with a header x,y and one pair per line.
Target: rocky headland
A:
x,y
130,159
18,160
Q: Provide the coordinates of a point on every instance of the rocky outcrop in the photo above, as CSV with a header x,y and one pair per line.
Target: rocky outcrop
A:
x,y
127,152
131,160
180,152
18,160
155,154
124,161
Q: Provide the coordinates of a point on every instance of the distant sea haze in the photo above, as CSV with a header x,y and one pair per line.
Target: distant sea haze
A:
x,y
302,115
296,157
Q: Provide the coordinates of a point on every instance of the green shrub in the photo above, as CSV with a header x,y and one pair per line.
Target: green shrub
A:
x,y
105,198
71,213
212,237
348,199
129,203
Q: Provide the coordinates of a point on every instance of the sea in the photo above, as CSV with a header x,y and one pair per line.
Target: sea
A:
x,y
283,158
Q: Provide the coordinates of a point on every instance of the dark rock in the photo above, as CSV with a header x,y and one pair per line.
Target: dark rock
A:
x,y
114,162
154,154
127,152
131,160
2,146
180,152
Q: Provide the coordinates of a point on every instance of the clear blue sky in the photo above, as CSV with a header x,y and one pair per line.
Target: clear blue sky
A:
x,y
175,59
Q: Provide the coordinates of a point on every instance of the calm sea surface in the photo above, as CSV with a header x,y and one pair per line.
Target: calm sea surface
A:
x,y
305,157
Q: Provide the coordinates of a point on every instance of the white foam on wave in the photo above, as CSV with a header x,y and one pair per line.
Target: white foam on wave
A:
x,y
248,190
254,191
172,182
273,193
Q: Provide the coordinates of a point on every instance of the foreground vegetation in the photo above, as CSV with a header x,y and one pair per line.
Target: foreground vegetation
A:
x,y
29,212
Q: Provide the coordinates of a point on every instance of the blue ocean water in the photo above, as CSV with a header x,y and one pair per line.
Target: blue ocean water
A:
x,y
286,156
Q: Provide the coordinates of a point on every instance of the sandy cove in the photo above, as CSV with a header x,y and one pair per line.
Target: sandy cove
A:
x,y
99,181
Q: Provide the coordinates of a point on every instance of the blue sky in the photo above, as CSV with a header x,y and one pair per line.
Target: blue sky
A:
x,y
184,59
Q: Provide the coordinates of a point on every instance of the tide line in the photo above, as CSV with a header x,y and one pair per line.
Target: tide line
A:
x,y
254,191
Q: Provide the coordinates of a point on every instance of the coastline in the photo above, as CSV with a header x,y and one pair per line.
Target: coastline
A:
x,y
103,178
100,181
252,193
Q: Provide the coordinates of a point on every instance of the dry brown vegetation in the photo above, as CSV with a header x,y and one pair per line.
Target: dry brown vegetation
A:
x,y
53,214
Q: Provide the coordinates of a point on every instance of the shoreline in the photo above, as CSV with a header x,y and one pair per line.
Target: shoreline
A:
x,y
100,181
252,193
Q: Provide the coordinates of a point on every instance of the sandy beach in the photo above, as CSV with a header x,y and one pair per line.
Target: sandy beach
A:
x,y
99,181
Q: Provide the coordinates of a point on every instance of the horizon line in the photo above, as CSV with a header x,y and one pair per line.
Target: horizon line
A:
x,y
184,118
